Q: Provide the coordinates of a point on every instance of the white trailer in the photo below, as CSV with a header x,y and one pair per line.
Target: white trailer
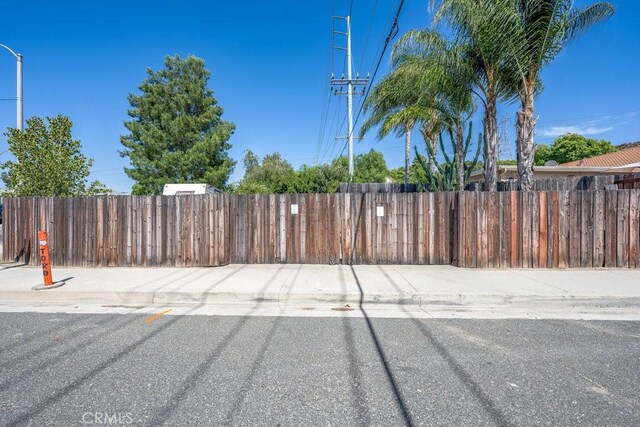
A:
x,y
182,189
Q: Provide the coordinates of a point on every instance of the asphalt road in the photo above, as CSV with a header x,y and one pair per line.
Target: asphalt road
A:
x,y
109,369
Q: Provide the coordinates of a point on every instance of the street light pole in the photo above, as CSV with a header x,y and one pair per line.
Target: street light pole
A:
x,y
19,110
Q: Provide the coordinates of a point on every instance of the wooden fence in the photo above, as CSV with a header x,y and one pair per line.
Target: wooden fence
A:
x,y
628,183
554,229
578,183
119,230
374,187
575,183
285,228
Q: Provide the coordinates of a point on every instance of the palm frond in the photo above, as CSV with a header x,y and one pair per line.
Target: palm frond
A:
x,y
582,19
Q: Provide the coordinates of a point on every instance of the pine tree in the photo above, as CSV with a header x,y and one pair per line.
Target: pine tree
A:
x,y
176,134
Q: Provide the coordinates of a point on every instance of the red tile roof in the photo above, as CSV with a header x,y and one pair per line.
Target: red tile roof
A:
x,y
623,157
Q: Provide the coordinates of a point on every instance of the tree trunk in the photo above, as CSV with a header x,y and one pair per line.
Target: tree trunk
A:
x,y
431,141
460,155
407,151
526,124
490,124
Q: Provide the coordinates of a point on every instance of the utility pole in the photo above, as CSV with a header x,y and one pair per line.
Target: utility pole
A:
x,y
350,82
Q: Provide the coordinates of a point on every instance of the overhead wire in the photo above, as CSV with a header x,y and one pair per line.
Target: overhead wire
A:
x,y
371,20
324,111
326,98
366,40
393,31
329,148
331,143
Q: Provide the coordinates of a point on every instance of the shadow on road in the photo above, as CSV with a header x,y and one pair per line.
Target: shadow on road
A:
x,y
406,415
56,396
172,403
474,388
206,365
487,404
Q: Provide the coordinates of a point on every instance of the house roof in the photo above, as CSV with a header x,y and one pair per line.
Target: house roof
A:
x,y
506,171
623,157
628,145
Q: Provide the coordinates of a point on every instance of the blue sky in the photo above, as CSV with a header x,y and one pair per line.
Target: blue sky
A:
x,y
269,63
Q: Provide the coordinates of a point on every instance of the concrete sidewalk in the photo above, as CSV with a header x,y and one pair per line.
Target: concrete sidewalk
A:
x,y
404,285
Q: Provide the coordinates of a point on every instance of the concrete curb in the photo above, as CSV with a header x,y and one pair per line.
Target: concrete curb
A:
x,y
425,301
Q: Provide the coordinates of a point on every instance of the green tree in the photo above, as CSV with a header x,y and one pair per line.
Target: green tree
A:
x,y
418,174
398,175
272,175
493,81
370,167
571,147
533,33
49,162
395,107
176,132
321,178
445,76
447,176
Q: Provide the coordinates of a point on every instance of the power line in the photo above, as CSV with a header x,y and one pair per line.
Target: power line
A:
x,y
347,63
331,146
324,111
366,40
381,53
351,83
392,33
324,114
107,170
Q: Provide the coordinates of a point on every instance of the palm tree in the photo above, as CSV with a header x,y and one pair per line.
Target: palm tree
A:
x,y
393,110
533,33
432,125
493,80
440,70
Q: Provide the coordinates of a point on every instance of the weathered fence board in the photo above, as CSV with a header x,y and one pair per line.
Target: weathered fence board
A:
x,y
377,188
117,230
552,229
578,183
546,229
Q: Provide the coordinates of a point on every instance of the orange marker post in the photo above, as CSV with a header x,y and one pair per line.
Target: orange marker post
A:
x,y
44,258
43,245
